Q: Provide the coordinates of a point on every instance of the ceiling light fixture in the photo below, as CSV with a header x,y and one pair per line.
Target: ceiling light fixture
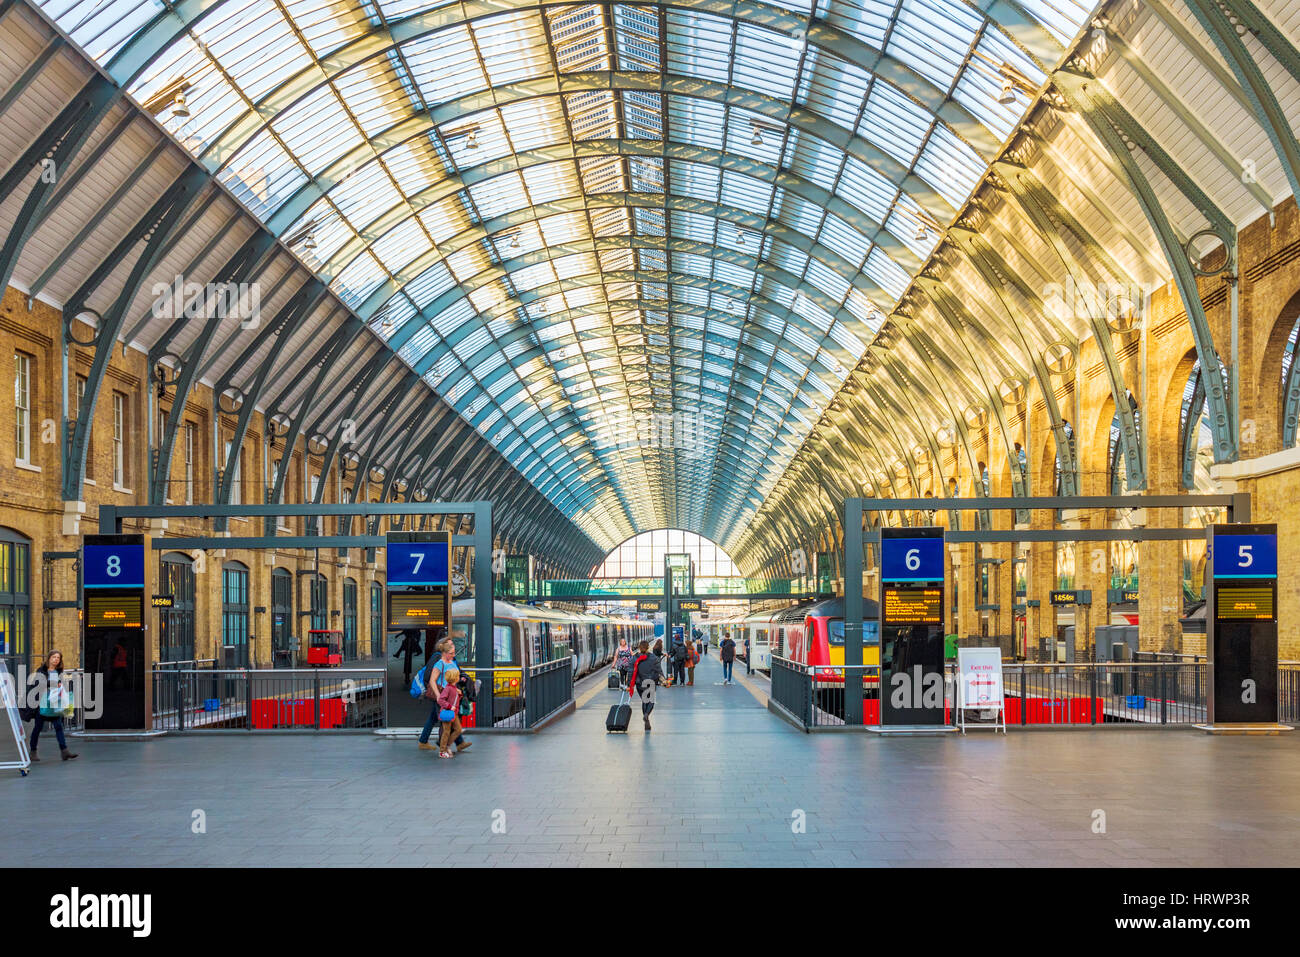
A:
x,y
179,107
471,141
921,232
1008,95
310,242
758,136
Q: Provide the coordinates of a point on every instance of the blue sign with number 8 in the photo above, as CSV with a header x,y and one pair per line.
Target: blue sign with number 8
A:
x,y
1245,556
112,566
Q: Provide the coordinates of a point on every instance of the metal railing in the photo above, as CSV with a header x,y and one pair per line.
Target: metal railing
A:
x,y
1138,693
815,696
792,689
187,664
548,688
310,699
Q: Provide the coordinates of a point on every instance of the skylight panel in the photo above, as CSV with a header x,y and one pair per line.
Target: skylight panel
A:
x,y
950,166
839,236
743,127
1062,18
698,45
361,197
827,280
430,284
765,61
637,37
894,123
318,131
933,36
814,313
834,88
415,166
453,317
401,245
578,264
361,277
551,181
868,190
513,47
733,274
445,219
699,180
322,26
697,121
867,20
262,175
643,114
692,226
444,65
499,195
101,28
418,345
798,213
814,159
213,101
535,123
745,192
891,276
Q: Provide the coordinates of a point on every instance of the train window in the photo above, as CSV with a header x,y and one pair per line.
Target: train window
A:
x,y
836,631
870,632
461,638
503,645
760,636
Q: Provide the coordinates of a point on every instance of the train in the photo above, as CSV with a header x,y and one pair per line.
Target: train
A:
x,y
526,635
810,634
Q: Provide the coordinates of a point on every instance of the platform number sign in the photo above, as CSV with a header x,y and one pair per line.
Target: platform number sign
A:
x,y
911,559
115,565
422,564
1245,556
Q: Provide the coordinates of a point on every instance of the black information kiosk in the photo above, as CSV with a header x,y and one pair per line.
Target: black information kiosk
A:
x,y
419,584
911,627
112,612
1241,624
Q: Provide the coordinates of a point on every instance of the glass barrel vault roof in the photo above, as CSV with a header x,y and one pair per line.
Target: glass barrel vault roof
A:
x,y
639,247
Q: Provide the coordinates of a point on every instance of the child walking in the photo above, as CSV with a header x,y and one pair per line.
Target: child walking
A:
x,y
449,715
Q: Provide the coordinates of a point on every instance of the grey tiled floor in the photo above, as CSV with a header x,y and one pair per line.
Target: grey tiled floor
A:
x,y
718,782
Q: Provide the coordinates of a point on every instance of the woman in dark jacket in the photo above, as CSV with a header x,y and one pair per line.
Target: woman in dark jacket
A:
x,y
48,678
645,677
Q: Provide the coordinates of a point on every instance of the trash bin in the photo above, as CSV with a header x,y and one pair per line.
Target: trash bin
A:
x,y
1119,652
950,646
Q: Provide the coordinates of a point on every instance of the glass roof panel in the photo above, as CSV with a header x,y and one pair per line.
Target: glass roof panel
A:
x,y
696,235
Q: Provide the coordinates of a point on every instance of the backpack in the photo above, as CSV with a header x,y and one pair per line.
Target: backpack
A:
x,y
468,688
417,684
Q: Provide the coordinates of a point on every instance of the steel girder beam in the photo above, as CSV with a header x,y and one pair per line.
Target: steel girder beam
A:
x,y
1112,125
55,148
245,261
154,230
323,362
1045,212
281,329
1216,18
386,409
1170,100
1064,448
360,383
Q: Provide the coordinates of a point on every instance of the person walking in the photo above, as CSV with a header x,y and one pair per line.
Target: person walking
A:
x,y
55,703
410,647
623,660
692,659
679,663
449,711
645,677
662,660
435,679
727,652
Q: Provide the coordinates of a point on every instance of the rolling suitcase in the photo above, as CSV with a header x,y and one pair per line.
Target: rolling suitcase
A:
x,y
613,680
619,716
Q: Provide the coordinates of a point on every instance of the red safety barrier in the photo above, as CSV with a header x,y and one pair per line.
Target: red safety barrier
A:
x,y
1055,710
871,712
467,720
296,712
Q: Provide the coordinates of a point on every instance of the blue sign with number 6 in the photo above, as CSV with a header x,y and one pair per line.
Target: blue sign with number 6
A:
x,y
112,566
911,559
1245,556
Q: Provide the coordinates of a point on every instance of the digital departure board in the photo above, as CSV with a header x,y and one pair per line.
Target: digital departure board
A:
x,y
114,611
1254,603
416,610
912,606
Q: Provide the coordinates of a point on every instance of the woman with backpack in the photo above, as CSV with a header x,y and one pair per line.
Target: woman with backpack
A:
x,y
55,703
435,680
692,659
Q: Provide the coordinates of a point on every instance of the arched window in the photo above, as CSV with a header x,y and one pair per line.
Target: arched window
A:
x,y
377,629
176,624
281,617
643,556
349,619
234,614
15,599
320,602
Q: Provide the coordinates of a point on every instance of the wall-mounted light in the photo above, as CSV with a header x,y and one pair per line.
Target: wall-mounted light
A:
x,y
179,107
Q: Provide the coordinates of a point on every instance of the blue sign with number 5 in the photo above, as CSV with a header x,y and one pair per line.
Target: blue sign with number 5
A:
x,y
911,559
1245,556
112,566
418,563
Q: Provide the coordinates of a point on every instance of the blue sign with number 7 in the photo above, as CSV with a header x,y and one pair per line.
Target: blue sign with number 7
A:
x,y
418,563
1245,556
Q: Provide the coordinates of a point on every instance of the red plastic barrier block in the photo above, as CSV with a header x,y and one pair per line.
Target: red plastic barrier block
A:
x,y
318,655
1012,706
265,713
335,660
1082,710
871,711
467,720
